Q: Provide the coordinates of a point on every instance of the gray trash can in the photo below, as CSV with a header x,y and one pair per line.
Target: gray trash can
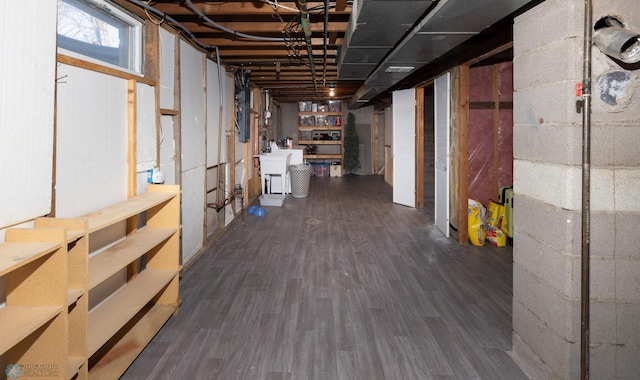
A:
x,y
300,178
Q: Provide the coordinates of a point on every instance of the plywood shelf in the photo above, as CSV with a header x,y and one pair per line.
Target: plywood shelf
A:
x,y
320,128
47,269
14,255
112,260
325,113
125,209
75,363
323,156
73,295
22,320
306,132
117,360
106,319
320,142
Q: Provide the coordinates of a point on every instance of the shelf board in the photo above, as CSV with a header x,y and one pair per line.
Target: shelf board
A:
x,y
13,255
107,318
17,322
167,111
113,364
323,156
125,209
320,142
109,262
74,235
73,294
320,128
326,113
75,362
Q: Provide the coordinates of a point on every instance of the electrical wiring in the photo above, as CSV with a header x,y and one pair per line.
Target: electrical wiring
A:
x,y
224,28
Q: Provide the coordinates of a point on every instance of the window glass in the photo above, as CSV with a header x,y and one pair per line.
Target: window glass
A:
x,y
100,31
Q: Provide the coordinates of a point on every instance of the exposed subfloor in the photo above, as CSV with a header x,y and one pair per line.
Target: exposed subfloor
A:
x,y
343,284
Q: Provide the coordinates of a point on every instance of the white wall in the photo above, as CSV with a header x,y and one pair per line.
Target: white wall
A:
x,y
192,121
91,153
27,104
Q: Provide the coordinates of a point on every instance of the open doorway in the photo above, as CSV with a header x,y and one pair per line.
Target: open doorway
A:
x,y
428,181
481,141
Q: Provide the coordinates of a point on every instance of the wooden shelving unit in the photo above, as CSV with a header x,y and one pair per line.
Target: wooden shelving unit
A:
x,y
49,273
33,324
322,128
126,313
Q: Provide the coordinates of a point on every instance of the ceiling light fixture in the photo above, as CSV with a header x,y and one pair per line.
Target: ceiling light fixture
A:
x,y
399,69
332,90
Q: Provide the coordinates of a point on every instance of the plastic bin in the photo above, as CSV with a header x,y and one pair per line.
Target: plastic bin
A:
x,y
322,170
300,177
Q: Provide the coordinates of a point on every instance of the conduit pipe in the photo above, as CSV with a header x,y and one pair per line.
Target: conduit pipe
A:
x,y
178,25
326,42
306,28
586,193
220,134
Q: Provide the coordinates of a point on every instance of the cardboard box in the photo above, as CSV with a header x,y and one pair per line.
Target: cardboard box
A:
x,y
335,171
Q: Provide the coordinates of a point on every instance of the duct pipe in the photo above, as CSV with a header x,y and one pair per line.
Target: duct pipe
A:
x,y
306,28
586,184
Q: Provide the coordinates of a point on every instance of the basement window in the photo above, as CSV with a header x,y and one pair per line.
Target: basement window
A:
x,y
101,32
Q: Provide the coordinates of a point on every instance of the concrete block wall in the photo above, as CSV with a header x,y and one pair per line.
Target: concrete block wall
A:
x,y
548,44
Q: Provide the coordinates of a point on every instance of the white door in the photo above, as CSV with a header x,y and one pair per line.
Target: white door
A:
x,y
442,93
404,147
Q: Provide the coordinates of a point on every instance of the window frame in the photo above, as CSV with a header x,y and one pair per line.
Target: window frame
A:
x,y
105,11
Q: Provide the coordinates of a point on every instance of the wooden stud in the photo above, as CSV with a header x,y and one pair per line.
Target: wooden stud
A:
x,y
463,144
495,94
132,182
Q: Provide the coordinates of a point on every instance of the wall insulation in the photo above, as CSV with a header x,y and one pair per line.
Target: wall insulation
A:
x,y
192,115
490,131
26,101
91,153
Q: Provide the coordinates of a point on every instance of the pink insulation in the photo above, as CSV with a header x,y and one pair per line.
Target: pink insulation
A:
x,y
485,178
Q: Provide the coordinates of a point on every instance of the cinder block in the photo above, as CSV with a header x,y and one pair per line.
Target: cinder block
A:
x,y
559,270
602,324
548,64
627,322
553,350
557,227
551,143
627,238
627,363
559,21
626,279
603,279
603,233
602,145
552,103
627,183
625,146
560,313
602,362
557,185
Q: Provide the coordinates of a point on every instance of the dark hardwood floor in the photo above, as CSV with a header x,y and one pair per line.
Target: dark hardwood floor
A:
x,y
343,284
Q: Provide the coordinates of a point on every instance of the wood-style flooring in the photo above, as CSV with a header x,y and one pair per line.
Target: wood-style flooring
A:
x,y
343,284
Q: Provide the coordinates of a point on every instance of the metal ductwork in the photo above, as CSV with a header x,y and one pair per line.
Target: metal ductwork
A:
x,y
418,41
374,29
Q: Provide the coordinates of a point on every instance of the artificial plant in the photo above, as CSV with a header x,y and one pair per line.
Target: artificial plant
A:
x,y
351,144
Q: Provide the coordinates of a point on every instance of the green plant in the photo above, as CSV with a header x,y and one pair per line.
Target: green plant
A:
x,y
351,143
